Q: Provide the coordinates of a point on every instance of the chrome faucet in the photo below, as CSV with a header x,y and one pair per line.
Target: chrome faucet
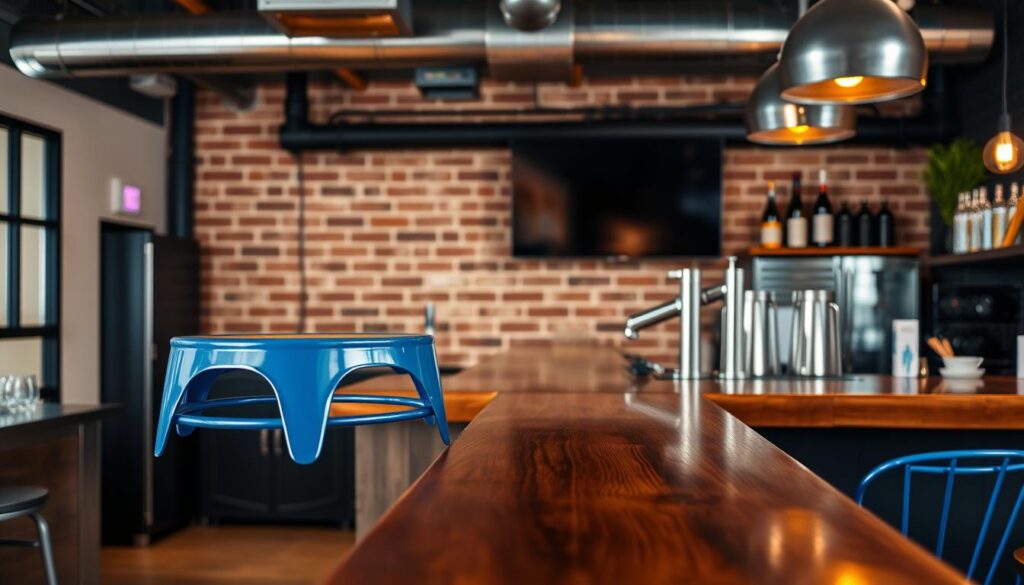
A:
x,y
687,307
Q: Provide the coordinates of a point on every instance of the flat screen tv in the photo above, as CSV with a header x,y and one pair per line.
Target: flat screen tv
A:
x,y
617,198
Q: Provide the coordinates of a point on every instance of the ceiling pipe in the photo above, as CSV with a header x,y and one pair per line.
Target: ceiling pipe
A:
x,y
448,34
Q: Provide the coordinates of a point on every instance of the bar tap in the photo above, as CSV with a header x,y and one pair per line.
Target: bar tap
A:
x,y
687,307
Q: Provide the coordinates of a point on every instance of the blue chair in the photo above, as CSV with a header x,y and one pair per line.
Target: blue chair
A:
x,y
303,371
951,464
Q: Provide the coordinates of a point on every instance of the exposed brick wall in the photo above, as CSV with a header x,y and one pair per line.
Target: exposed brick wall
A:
x,y
390,231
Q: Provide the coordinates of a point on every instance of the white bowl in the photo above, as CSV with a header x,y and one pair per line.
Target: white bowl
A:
x,y
963,362
962,374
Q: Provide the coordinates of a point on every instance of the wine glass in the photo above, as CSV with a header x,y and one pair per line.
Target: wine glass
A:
x,y
5,399
31,392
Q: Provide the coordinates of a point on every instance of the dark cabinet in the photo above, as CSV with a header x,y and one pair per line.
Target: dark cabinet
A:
x,y
248,475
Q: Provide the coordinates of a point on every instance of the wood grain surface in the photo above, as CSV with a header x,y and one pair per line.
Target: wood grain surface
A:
x,y
630,487
994,402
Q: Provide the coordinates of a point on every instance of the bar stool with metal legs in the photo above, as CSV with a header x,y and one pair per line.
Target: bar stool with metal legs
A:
x,y
19,501
303,371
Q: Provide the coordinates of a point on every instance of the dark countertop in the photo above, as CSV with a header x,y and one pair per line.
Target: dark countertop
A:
x,y
652,484
52,415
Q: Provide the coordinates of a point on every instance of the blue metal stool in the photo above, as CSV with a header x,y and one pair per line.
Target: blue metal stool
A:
x,y
998,462
303,370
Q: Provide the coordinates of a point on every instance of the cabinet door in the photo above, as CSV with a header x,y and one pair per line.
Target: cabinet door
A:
x,y
322,490
238,465
237,474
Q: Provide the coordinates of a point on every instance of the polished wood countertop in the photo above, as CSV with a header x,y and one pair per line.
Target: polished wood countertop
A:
x,y
651,483
994,402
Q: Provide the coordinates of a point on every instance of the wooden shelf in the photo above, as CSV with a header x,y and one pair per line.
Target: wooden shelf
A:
x,y
837,251
1008,255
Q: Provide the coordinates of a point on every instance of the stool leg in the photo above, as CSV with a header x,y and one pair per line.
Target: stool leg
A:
x,y
304,400
44,546
428,383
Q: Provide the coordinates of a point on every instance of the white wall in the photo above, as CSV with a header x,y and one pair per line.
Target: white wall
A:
x,y
99,142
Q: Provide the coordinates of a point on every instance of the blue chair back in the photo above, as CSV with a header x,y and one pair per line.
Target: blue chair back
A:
x,y
952,464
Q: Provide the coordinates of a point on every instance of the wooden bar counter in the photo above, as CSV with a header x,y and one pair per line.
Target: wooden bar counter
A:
x,y
572,472
994,402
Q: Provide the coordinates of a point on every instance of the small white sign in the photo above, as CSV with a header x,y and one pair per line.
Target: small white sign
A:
x,y
1020,356
905,361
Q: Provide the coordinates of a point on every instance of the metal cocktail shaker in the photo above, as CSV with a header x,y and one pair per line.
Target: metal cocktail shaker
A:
x,y
760,333
815,348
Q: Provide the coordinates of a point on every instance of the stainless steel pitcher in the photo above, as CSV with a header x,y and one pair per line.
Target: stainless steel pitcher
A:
x,y
760,334
816,347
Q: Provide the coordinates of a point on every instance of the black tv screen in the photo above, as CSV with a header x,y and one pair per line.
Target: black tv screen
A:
x,y
617,198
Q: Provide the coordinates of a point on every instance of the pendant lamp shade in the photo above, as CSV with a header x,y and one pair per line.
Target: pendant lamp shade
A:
x,y
853,52
772,120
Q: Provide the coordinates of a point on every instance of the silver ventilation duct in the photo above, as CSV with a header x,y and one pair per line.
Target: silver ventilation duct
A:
x,y
461,33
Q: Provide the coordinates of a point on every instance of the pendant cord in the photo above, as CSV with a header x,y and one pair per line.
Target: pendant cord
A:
x,y
1006,58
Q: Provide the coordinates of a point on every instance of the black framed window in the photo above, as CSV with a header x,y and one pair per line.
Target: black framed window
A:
x,y
30,252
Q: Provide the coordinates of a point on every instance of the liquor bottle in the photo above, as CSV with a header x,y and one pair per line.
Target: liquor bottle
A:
x,y
886,226
845,234
960,225
1011,207
998,217
865,225
771,227
822,219
985,217
796,221
974,222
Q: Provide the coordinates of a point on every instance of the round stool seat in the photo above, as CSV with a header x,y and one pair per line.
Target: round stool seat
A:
x,y
21,498
303,370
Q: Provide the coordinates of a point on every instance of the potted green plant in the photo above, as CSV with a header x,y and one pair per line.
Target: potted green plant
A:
x,y
952,169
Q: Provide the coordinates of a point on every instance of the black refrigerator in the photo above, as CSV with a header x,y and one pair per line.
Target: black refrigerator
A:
x,y
149,294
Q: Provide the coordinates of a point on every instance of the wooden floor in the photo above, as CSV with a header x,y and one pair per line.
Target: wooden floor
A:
x,y
254,555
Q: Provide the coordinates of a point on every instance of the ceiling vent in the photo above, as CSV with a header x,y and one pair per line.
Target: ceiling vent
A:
x,y
339,18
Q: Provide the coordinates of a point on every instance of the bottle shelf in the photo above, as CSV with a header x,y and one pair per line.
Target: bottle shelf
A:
x,y
837,251
1007,255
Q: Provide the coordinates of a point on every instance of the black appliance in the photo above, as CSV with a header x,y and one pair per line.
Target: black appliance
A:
x,y
617,198
982,320
149,293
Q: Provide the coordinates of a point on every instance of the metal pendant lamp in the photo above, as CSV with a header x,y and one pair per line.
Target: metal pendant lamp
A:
x,y
853,52
772,120
1004,152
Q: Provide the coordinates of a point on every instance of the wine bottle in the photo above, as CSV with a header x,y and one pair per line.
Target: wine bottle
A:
x,y
771,227
865,225
886,226
796,221
823,226
998,217
960,225
974,223
1011,207
985,216
845,234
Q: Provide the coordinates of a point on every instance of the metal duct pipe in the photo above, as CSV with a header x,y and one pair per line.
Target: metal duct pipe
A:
x,y
181,165
455,33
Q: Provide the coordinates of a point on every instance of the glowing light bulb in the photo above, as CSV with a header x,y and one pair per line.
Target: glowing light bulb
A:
x,y
799,129
852,81
1002,154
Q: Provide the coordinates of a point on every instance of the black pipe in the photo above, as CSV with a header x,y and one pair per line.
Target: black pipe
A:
x,y
181,164
298,134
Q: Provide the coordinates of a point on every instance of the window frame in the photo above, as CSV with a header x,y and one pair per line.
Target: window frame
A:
x,y
49,332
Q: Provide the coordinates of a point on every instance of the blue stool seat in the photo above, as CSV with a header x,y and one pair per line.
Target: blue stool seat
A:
x,y
303,371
